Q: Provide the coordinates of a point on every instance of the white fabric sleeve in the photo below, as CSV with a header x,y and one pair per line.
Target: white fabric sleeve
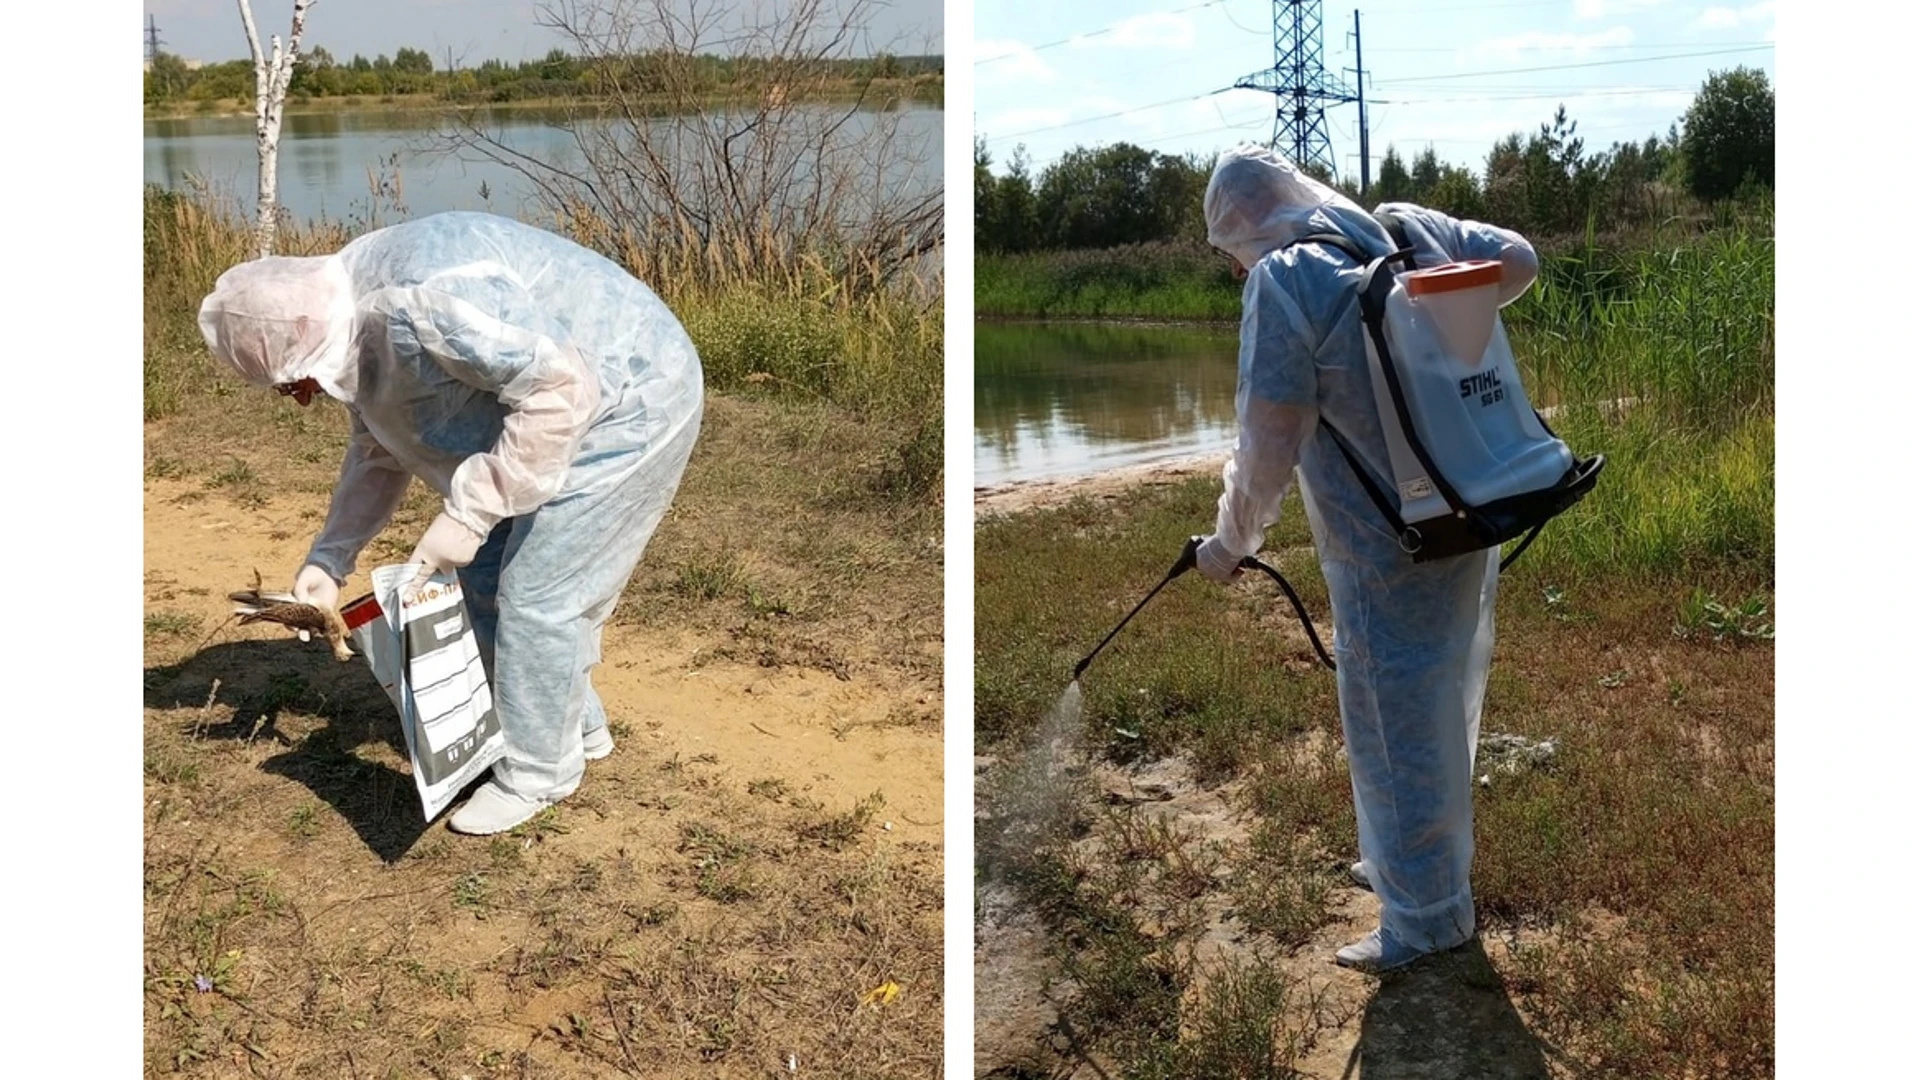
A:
x,y
551,394
1479,240
372,483
1260,472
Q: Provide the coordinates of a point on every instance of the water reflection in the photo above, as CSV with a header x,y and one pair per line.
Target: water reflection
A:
x,y
1065,399
329,160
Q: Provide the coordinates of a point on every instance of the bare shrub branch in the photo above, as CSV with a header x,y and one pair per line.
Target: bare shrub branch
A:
x,y
722,143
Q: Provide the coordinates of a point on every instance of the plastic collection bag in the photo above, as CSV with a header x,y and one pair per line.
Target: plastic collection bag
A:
x,y
421,646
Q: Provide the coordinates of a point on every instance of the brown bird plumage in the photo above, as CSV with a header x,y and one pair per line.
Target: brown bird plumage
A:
x,y
256,606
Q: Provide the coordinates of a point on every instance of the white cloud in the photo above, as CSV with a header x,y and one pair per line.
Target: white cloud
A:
x,y
1155,30
1512,48
1601,9
1726,18
1006,61
1010,122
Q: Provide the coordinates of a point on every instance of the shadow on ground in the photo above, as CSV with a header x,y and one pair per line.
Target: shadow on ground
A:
x,y
1446,1016
324,713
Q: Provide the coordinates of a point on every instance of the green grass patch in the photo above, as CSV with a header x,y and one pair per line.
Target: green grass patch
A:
x,y
1148,281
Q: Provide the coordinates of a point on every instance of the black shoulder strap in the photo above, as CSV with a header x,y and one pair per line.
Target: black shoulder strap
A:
x,y
1336,240
1367,484
1397,229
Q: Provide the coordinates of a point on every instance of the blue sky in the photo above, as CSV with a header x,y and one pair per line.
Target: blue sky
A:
x,y
1443,72
476,29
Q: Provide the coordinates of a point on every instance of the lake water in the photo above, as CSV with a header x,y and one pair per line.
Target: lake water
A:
x,y
328,159
1055,400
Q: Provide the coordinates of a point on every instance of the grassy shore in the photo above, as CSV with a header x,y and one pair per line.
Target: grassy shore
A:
x,y
1147,281
1624,892
881,92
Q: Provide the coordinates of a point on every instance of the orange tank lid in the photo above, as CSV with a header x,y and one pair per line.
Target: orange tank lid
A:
x,y
1458,275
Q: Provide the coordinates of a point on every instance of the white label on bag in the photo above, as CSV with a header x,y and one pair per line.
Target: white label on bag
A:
x,y
1416,488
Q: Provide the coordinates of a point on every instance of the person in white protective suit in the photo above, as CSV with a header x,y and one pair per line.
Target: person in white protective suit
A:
x,y
1412,642
546,394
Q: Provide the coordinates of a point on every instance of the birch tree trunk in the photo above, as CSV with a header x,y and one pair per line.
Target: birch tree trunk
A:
x,y
272,71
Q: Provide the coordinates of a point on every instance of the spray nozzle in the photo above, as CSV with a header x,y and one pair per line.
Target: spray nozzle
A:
x,y
1189,557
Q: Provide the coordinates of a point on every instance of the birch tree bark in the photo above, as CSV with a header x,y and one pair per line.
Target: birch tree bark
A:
x,y
272,71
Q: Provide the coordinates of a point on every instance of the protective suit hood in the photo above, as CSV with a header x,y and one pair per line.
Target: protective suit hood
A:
x,y
1257,202
280,319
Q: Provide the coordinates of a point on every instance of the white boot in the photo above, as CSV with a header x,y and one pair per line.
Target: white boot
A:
x,y
494,809
597,743
1358,872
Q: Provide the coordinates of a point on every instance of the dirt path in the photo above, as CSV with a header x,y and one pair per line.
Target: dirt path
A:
x,y
1444,1018
714,901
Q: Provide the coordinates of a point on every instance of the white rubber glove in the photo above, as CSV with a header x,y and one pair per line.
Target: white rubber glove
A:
x,y
446,545
315,586
1216,562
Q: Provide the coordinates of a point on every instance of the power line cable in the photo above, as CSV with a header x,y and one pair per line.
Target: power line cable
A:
x,y
1564,48
1539,96
1563,67
1107,116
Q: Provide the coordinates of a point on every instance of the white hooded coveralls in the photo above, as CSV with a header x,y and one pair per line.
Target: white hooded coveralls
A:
x,y
1412,641
546,394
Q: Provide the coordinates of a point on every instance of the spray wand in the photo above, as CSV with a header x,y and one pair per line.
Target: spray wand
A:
x,y
1189,558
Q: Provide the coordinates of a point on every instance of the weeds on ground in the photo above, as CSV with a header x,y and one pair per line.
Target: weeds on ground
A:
x,y
748,944
1650,836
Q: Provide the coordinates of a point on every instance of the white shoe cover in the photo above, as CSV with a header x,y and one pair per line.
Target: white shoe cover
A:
x,y
493,809
597,743
1375,953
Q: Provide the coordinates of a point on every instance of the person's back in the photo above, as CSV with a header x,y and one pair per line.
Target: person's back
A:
x,y
531,277
1319,358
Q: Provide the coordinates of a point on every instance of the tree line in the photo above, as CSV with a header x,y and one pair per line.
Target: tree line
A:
x,y
316,74
1547,183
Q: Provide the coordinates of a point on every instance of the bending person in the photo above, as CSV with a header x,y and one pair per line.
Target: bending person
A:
x,y
546,394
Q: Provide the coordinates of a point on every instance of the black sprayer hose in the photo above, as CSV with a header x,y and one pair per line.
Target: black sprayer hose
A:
x,y
1251,563
1189,558
1187,561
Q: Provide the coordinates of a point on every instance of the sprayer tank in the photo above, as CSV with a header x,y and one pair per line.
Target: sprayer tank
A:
x,y
1462,387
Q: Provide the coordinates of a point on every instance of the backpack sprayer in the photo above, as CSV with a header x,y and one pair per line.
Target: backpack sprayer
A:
x,y
1473,464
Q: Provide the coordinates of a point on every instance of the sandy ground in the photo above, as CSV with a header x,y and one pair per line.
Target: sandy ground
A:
x,y
785,722
1021,495
1443,1019
364,892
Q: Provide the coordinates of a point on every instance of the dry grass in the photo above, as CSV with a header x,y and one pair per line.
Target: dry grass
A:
x,y
278,945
